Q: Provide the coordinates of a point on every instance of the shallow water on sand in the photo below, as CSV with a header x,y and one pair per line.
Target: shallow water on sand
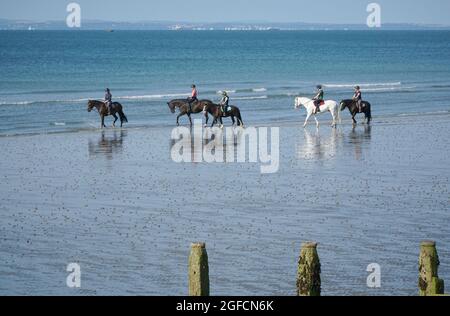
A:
x,y
116,203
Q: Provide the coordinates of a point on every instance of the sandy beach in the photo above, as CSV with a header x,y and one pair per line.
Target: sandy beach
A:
x,y
115,202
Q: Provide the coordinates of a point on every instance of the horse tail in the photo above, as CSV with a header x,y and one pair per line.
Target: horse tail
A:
x,y
369,113
339,113
123,117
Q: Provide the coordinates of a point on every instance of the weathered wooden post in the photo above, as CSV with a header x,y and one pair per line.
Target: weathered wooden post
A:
x,y
198,270
308,273
429,282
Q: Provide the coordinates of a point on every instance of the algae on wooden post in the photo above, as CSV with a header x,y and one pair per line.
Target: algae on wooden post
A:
x,y
198,271
308,273
429,282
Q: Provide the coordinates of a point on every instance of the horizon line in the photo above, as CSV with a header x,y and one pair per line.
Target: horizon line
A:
x,y
225,22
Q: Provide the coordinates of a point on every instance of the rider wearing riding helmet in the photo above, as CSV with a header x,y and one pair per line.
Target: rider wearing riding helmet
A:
x,y
224,102
108,100
357,97
318,98
193,97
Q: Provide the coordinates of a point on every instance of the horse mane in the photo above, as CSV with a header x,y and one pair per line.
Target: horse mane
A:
x,y
177,100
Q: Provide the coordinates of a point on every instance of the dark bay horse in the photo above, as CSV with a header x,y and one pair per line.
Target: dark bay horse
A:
x,y
103,111
353,108
183,106
216,111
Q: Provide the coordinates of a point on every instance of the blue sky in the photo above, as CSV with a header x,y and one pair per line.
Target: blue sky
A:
x,y
321,11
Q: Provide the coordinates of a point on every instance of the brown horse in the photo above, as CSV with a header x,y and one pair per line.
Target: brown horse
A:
x,y
353,108
216,111
103,111
183,106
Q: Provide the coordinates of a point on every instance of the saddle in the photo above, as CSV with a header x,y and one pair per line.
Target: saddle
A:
x,y
226,109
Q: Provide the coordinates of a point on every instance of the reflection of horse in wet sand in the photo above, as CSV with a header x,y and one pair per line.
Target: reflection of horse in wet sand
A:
x,y
107,145
318,147
357,139
193,145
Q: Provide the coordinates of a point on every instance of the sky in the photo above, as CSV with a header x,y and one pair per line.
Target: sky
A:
x,y
311,11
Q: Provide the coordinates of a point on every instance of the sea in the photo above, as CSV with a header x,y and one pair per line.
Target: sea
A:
x,y
47,77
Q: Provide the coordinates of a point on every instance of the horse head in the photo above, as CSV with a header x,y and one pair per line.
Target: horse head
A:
x,y
298,102
171,106
91,104
343,105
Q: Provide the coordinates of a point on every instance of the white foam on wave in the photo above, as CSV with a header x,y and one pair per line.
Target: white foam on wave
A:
x,y
152,96
384,89
227,91
17,103
251,98
59,124
259,89
42,101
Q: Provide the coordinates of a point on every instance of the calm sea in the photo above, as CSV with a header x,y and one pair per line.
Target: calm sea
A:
x,y
46,77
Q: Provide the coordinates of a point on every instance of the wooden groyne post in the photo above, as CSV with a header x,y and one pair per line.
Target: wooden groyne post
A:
x,y
429,282
198,270
308,273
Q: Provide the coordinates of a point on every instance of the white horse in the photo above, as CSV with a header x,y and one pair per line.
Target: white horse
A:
x,y
329,106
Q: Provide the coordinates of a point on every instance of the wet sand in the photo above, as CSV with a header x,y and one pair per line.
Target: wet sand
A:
x,y
115,202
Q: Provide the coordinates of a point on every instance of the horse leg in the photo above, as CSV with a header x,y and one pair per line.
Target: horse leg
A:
x,y
353,118
333,124
190,120
307,118
317,122
207,118
115,119
178,117
221,122
103,121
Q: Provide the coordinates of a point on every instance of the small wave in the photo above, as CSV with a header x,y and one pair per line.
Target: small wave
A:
x,y
251,98
424,113
152,96
17,103
443,86
362,85
259,89
132,97
387,89
227,91
42,101
59,123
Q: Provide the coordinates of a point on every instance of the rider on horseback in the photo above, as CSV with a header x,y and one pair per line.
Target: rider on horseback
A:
x,y
318,98
108,100
224,102
357,97
193,97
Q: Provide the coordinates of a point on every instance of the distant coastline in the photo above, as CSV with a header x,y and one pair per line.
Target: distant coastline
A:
x,y
6,24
